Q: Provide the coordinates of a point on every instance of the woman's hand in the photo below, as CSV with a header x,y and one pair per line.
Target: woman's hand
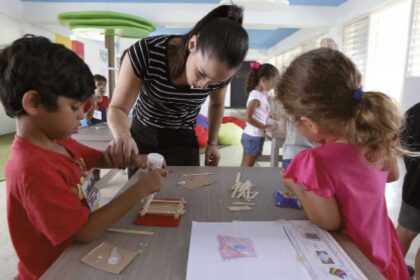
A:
x,y
212,156
120,151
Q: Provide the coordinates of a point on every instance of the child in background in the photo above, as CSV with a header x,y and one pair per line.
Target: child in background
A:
x,y
409,219
293,144
95,109
44,85
260,81
96,106
341,183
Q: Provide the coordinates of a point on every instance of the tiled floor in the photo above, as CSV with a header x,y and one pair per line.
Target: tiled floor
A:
x,y
231,156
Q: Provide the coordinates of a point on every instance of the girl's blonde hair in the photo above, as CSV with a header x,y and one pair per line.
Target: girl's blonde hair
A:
x,y
325,86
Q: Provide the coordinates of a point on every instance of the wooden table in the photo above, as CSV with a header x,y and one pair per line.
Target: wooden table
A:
x,y
166,255
96,136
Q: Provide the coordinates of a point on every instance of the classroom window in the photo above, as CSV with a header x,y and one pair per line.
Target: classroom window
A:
x,y
413,68
388,40
355,42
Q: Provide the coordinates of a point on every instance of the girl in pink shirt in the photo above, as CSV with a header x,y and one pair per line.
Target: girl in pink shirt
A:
x,y
341,183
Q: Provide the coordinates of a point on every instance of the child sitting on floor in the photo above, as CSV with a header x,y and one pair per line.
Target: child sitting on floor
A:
x,y
44,85
341,183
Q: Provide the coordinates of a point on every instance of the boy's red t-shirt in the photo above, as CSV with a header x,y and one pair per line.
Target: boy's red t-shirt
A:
x,y
103,105
43,208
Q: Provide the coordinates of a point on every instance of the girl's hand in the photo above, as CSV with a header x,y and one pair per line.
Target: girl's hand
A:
x,y
281,173
290,184
212,155
119,151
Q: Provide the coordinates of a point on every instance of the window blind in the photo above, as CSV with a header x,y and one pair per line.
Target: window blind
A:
x,y
355,42
413,68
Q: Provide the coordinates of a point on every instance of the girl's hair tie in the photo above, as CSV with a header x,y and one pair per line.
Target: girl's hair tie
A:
x,y
255,65
357,95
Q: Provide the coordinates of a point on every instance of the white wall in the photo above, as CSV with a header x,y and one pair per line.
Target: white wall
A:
x,y
12,28
11,8
387,49
96,57
411,88
411,92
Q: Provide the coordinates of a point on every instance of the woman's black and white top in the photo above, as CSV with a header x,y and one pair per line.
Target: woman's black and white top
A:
x,y
160,104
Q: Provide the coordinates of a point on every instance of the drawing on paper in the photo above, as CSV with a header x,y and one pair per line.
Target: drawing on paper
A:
x,y
324,257
312,236
235,247
338,272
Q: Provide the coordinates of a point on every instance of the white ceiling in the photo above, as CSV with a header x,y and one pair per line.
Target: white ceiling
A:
x,y
292,24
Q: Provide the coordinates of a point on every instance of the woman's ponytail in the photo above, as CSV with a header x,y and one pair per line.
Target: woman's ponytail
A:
x,y
220,34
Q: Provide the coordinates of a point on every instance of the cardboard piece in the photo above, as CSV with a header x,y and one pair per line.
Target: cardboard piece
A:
x,y
99,257
196,181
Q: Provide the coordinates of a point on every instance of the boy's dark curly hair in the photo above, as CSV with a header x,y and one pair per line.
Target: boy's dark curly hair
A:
x,y
35,63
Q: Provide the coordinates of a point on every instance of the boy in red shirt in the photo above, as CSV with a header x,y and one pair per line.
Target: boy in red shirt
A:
x,y
95,107
44,85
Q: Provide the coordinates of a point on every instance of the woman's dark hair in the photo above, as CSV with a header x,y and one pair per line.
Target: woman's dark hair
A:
x,y
266,70
220,33
34,63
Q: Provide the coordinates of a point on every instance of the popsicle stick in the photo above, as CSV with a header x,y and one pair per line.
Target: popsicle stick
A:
x,y
131,231
196,174
239,208
243,203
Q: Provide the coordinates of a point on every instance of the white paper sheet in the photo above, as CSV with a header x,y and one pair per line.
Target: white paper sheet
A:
x,y
275,255
324,258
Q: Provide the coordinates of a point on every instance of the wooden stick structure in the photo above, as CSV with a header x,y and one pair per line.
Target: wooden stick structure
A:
x,y
242,190
164,207
131,231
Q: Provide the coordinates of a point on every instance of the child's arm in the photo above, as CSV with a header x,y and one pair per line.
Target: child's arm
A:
x,y
215,116
323,212
109,214
250,110
109,161
93,106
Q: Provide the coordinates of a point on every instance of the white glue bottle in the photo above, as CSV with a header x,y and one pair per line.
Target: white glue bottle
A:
x,y
154,161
